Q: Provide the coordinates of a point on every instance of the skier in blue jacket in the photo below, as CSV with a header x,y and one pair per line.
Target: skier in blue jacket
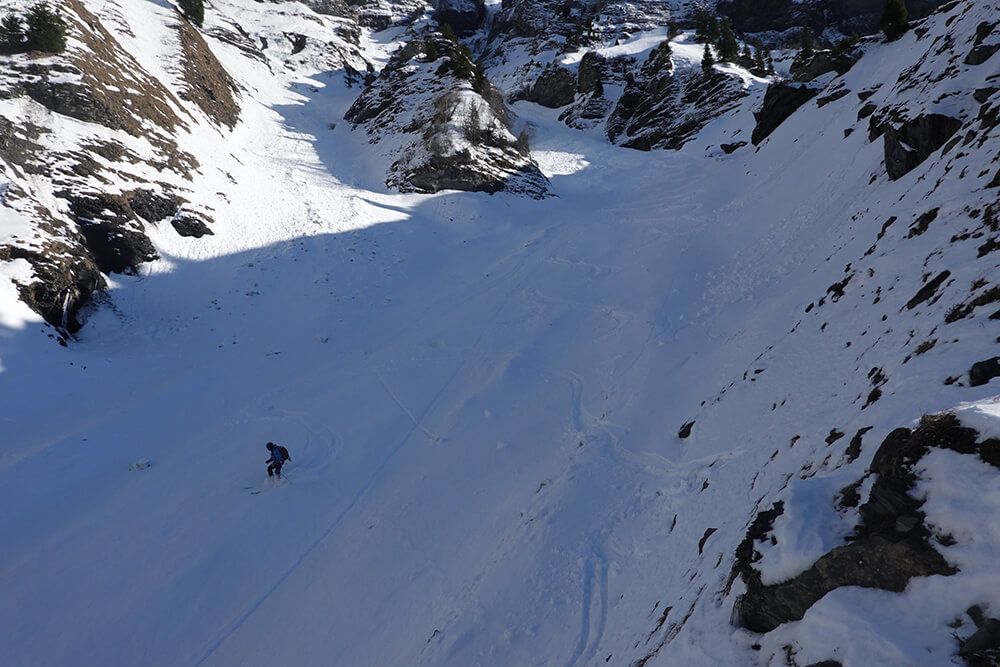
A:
x,y
278,457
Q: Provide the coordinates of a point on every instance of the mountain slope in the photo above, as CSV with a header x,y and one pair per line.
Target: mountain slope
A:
x,y
482,394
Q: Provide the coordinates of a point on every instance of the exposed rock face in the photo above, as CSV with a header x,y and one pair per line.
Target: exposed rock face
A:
x,y
464,16
824,62
987,43
780,101
208,84
907,146
114,236
380,14
849,16
984,371
65,274
555,87
444,125
889,547
664,109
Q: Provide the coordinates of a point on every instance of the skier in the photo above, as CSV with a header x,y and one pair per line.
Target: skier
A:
x,y
278,457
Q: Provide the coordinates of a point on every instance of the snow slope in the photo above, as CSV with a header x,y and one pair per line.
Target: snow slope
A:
x,y
481,397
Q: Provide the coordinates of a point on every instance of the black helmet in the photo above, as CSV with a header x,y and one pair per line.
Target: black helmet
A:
x,y
270,445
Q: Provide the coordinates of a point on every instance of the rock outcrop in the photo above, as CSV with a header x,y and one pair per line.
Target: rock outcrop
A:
x,y
889,547
662,108
847,16
464,16
913,141
443,124
780,101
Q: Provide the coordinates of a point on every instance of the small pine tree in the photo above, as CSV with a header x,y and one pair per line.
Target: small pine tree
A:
x,y
431,50
770,63
728,47
746,57
713,28
759,65
673,29
449,33
11,33
808,43
707,60
894,19
193,11
46,30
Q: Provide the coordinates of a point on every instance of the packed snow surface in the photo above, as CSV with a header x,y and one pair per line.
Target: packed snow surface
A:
x,y
481,397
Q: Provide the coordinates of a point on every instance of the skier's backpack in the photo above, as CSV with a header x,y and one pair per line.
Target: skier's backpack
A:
x,y
284,453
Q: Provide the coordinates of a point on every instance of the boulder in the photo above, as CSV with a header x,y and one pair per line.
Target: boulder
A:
x,y
984,371
590,77
188,223
890,546
981,52
780,101
908,145
555,87
823,62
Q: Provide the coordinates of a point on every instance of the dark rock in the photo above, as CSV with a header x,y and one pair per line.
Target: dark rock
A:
x,y
591,74
823,62
854,449
983,94
207,83
848,16
187,223
704,539
928,290
729,149
981,52
151,206
832,97
907,146
117,249
890,546
780,101
661,108
66,278
111,232
984,371
983,642
685,431
464,16
921,224
555,87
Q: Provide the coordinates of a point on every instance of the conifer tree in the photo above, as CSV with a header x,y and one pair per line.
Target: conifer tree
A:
x,y
707,60
760,66
808,43
727,46
431,50
11,33
894,19
46,30
193,10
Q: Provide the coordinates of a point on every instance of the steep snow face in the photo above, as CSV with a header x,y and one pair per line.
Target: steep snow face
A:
x,y
522,431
